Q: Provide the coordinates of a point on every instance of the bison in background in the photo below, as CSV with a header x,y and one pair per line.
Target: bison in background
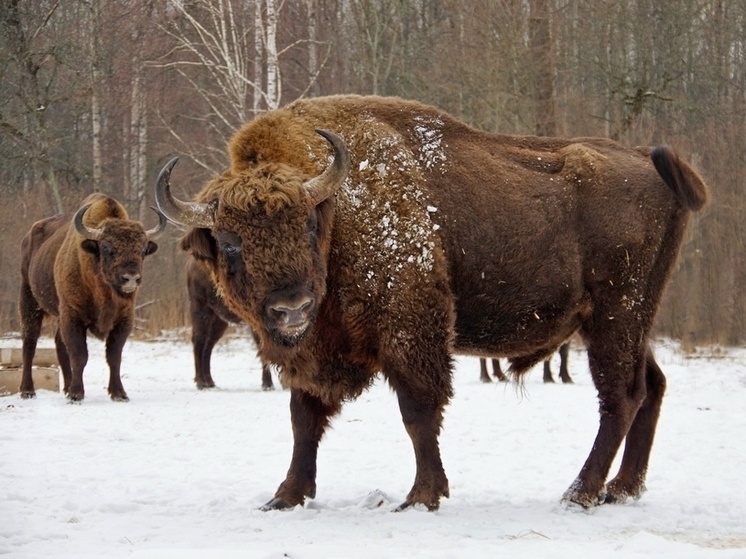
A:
x,y
210,318
86,271
497,371
418,236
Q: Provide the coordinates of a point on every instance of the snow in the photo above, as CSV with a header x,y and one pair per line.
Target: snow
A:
x,y
180,473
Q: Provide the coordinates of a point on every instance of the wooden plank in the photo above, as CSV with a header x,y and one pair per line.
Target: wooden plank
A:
x,y
45,378
13,356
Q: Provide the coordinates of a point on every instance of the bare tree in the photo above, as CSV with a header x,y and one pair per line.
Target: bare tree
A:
x,y
35,62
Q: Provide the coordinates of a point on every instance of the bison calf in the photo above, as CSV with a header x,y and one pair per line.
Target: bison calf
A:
x,y
86,271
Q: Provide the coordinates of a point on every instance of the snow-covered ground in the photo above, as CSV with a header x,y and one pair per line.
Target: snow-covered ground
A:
x,y
178,473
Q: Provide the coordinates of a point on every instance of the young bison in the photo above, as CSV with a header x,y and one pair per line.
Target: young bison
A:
x,y
85,271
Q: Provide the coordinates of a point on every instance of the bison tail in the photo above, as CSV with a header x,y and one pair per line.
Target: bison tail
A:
x,y
688,187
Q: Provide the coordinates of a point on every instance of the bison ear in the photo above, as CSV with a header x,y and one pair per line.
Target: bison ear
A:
x,y
150,248
200,244
91,246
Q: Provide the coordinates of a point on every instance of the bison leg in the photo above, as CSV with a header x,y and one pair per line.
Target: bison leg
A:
x,y
422,419
564,372
31,320
618,373
207,329
484,376
497,371
267,383
64,360
73,335
310,418
548,378
114,346
630,481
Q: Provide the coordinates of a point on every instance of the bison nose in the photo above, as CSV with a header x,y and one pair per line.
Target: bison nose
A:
x,y
130,282
291,313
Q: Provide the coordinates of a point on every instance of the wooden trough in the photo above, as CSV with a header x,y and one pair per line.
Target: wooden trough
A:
x,y
45,370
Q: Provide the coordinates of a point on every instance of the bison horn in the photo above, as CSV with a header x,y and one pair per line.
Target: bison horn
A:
x,y
86,232
156,231
190,214
323,186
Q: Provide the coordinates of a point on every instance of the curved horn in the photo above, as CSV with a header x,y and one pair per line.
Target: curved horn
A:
x,y
156,231
323,186
86,232
190,214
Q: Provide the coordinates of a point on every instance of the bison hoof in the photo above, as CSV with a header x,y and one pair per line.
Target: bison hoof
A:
x,y
276,504
119,398
268,388
28,394
431,507
586,501
618,492
75,396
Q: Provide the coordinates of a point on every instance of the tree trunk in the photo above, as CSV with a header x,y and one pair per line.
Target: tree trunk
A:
x,y
258,56
543,67
96,80
313,54
273,67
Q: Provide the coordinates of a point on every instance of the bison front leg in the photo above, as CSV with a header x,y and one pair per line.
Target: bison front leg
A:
x,y
63,358
72,333
422,419
114,346
310,418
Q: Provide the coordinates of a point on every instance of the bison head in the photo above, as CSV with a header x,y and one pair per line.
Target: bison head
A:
x,y
119,247
265,232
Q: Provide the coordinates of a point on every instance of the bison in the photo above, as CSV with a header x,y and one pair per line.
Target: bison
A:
x,y
86,271
418,237
210,318
548,378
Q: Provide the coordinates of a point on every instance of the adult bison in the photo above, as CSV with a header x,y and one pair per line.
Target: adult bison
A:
x,y
85,271
210,319
497,371
419,237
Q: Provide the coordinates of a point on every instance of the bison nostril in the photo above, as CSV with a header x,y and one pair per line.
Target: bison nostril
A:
x,y
131,278
292,313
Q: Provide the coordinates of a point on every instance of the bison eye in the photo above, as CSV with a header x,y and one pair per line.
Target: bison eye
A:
x,y
231,250
232,254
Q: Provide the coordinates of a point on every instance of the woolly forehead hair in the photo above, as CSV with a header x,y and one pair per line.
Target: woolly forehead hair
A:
x,y
102,207
265,189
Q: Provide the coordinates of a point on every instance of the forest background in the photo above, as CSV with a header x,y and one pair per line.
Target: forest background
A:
x,y
98,95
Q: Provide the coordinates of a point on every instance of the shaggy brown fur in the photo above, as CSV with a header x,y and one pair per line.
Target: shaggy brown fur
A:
x,y
444,239
90,285
210,318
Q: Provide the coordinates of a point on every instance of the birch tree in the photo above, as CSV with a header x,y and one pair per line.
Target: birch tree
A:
x,y
227,51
